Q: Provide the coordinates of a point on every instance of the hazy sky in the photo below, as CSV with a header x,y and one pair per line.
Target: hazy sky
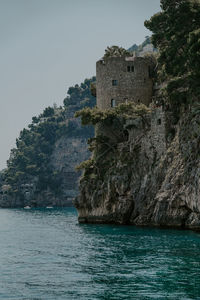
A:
x,y
46,46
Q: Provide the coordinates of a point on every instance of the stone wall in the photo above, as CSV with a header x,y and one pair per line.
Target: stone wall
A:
x,y
156,125
123,80
158,130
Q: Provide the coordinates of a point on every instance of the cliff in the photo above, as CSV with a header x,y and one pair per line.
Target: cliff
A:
x,y
41,169
151,179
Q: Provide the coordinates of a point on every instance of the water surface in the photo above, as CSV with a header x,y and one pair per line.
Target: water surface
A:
x,y
46,254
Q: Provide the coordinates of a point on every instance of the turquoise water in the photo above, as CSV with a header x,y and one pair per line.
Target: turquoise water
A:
x,y
46,254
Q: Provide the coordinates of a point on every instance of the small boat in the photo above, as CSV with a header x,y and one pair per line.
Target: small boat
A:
x,y
49,207
27,207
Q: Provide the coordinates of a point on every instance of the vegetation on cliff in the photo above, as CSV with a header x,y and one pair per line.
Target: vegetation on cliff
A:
x,y
109,133
176,34
30,161
92,116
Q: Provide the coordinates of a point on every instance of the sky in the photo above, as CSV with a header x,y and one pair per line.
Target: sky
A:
x,y
46,46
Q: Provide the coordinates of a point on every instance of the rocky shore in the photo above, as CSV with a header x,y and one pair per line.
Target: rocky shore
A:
x,y
151,179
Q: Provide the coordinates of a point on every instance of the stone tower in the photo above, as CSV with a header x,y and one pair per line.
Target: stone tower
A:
x,y
123,79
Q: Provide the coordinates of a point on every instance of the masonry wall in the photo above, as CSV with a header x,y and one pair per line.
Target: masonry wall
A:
x,y
131,86
154,131
158,130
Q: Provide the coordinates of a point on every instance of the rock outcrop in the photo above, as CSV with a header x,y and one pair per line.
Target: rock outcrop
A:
x,y
152,179
67,154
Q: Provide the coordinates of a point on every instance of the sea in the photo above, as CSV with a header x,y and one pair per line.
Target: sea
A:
x,y
46,254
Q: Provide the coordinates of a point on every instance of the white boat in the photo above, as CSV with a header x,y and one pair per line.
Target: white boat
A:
x,y
27,207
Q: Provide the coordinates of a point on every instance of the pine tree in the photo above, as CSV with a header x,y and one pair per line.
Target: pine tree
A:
x,y
176,34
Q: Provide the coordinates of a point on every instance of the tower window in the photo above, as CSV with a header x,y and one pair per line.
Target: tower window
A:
x,y
114,82
113,102
159,122
130,68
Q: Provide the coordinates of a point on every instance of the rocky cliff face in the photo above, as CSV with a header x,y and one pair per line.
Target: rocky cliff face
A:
x,y
67,154
152,179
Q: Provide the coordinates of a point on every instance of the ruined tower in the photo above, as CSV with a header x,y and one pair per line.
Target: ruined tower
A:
x,y
123,79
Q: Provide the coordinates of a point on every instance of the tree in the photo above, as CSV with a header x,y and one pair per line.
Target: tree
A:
x,y
48,112
176,35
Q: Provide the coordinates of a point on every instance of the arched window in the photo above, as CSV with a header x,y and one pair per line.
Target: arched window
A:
x,y
113,102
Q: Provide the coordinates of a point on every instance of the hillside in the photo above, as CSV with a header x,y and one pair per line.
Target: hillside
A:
x,y
144,48
41,169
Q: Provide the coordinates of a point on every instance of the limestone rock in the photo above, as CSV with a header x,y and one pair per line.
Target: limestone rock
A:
x,y
156,181
67,154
